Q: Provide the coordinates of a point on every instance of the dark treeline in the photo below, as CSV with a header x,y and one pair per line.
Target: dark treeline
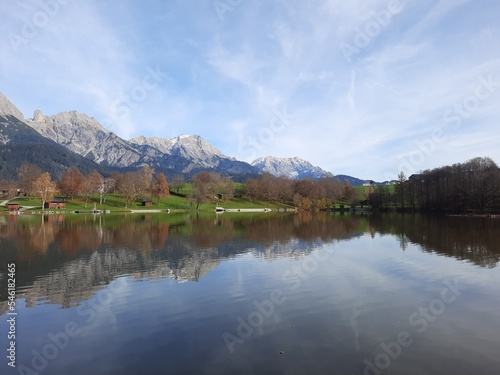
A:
x,y
473,186
474,239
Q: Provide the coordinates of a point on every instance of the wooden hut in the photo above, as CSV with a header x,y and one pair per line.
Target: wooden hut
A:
x,y
13,206
55,204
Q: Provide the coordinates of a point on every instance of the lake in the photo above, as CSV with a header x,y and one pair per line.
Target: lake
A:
x,y
251,294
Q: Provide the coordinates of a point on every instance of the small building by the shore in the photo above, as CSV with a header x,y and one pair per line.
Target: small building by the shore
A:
x,y
147,203
13,206
55,204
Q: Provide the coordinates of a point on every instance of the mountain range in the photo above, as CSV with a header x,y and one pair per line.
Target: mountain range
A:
x,y
57,142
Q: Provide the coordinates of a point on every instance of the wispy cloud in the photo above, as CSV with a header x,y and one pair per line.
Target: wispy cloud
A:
x,y
224,79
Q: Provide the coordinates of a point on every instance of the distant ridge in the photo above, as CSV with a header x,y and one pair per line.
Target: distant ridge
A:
x,y
294,168
76,139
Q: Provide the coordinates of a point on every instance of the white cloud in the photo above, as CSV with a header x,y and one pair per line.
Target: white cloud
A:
x,y
225,79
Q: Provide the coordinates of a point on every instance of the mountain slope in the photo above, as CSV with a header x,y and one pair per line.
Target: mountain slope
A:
x,y
294,168
78,134
199,151
21,144
192,147
352,180
9,109
85,136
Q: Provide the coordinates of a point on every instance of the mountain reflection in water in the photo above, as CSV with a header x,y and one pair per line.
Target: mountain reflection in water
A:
x,y
65,259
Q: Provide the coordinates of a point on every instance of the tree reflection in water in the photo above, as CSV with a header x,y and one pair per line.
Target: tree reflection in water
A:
x,y
65,259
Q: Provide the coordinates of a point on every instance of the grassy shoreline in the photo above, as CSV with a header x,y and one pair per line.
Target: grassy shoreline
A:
x,y
116,204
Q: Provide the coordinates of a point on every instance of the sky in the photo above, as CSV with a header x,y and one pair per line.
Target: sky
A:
x,y
358,87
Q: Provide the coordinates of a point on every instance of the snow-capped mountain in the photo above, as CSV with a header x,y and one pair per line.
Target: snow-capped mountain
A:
x,y
83,135
162,144
86,136
20,143
294,168
191,147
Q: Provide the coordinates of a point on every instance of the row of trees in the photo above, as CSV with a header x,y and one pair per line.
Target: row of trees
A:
x,y
470,186
132,185
473,185
305,194
209,185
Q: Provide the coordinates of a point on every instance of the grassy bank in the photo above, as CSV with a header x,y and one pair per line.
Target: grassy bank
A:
x,y
116,203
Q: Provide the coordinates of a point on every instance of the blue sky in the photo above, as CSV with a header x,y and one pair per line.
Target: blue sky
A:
x,y
365,88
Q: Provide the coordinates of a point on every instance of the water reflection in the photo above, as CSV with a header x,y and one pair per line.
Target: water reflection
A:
x,y
474,239
65,259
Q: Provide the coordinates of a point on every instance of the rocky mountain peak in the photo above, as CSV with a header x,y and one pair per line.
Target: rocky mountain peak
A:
x,y
192,147
162,144
295,168
85,136
76,119
38,116
9,109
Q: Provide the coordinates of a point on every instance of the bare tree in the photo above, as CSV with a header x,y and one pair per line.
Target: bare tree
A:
x,y
332,189
252,189
302,203
200,192
206,185
177,183
146,174
401,188
351,194
473,185
44,188
117,178
228,187
284,188
268,187
27,174
159,187
131,186
305,187
71,182
91,185
107,186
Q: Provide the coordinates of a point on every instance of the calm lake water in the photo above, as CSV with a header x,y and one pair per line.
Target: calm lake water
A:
x,y
252,294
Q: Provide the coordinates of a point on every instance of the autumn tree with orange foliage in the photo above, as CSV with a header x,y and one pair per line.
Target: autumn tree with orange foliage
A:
x,y
44,188
159,187
71,182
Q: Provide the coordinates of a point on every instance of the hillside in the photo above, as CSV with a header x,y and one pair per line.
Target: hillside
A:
x,y
20,144
67,139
